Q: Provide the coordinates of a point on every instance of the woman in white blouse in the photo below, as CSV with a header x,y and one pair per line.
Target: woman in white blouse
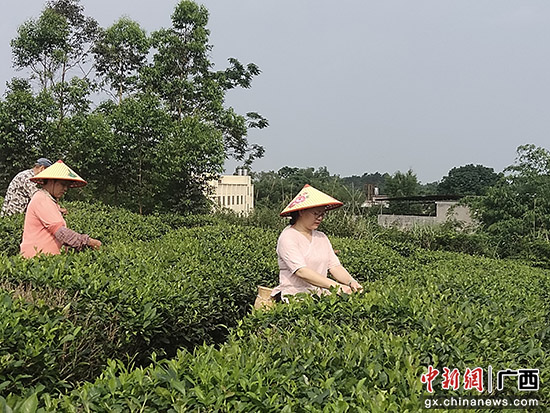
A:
x,y
305,255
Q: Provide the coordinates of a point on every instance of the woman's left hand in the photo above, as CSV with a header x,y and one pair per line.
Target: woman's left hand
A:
x,y
344,289
355,286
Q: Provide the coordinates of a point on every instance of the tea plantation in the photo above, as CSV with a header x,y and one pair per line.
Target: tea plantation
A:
x,y
160,320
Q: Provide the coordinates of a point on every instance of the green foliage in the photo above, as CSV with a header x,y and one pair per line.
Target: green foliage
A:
x,y
120,53
198,147
56,42
24,123
341,223
169,130
181,75
441,238
402,184
150,289
36,341
168,288
11,233
364,352
429,188
516,211
468,180
276,189
358,182
107,223
48,33
139,158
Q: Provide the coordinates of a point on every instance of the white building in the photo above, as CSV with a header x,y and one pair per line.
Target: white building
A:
x,y
235,192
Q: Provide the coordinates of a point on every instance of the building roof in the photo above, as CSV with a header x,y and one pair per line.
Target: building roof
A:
x,y
418,198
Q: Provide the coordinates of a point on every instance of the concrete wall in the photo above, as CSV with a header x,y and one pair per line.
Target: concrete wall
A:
x,y
234,192
445,211
405,221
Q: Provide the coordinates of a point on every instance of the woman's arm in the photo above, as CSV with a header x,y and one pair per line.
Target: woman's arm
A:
x,y
344,277
318,280
73,239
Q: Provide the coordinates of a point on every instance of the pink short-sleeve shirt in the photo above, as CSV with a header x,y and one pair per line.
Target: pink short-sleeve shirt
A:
x,y
295,251
42,220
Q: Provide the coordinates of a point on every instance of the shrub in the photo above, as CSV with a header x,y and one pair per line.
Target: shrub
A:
x,y
11,234
134,298
38,344
364,352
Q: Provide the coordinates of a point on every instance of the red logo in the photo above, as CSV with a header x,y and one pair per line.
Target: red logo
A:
x,y
299,199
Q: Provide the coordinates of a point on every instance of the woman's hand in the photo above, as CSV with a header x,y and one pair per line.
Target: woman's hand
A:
x,y
94,243
355,286
344,289
352,287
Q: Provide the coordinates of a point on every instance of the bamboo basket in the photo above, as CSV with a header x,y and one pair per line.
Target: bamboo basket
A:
x,y
263,299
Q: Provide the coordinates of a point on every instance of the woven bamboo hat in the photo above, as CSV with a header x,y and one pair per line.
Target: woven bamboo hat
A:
x,y
309,197
62,172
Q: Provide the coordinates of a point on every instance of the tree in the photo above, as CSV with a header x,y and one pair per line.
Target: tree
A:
x,y
120,53
25,129
135,155
168,131
531,161
518,206
137,125
190,156
40,46
276,189
429,188
468,180
182,76
402,184
53,45
359,182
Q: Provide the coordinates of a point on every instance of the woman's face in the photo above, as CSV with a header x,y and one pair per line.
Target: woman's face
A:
x,y
57,187
311,218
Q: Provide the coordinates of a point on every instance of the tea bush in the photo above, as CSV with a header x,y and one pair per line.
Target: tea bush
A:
x,y
34,343
364,352
11,233
170,288
136,298
107,223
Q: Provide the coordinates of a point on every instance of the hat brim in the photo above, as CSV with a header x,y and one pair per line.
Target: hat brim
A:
x,y
61,172
309,197
328,207
74,184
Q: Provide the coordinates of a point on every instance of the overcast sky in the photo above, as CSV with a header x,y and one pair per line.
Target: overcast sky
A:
x,y
364,86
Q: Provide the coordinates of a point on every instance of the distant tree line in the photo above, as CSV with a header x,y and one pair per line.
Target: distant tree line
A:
x,y
141,117
277,188
512,207
515,211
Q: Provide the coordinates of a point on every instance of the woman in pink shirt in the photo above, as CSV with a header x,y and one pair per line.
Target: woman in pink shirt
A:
x,y
305,255
45,230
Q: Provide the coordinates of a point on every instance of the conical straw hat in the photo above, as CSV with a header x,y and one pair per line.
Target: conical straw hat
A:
x,y
309,197
62,172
